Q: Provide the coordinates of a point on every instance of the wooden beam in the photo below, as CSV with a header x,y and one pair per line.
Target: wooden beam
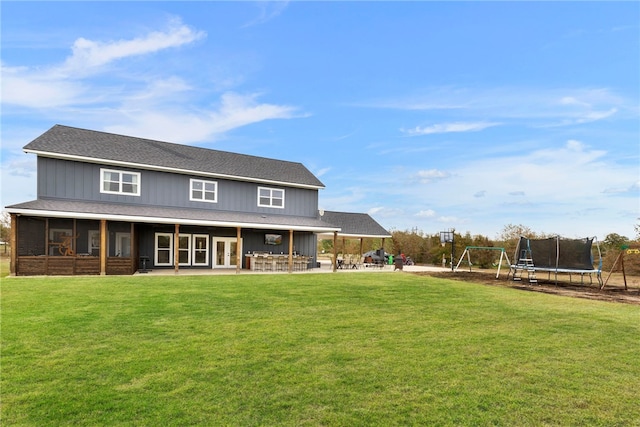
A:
x,y
13,241
74,246
335,251
103,247
238,250
176,249
133,250
290,262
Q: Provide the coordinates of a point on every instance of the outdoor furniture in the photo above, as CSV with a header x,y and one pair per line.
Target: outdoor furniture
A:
x,y
268,265
300,263
258,263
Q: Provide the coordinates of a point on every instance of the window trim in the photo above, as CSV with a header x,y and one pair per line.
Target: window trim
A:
x,y
188,237
203,181
120,182
271,198
156,249
196,250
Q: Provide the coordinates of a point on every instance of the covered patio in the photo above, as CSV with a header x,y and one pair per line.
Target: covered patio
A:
x,y
352,226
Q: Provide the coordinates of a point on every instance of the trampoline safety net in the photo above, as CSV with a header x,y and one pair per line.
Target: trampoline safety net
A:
x,y
557,253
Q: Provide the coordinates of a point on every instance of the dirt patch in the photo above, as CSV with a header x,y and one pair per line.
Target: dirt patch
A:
x,y
614,291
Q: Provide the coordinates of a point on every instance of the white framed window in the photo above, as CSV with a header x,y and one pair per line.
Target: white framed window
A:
x,y
119,182
203,191
163,249
184,249
200,249
271,197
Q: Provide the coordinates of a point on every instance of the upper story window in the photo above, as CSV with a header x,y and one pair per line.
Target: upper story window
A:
x,y
270,197
119,182
203,191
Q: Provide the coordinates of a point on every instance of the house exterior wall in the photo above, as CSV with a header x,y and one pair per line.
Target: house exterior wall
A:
x,y
64,179
304,243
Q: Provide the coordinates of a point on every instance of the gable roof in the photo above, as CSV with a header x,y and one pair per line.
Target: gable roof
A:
x,y
71,143
354,224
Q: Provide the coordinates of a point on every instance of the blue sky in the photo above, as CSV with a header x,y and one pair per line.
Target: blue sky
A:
x,y
426,115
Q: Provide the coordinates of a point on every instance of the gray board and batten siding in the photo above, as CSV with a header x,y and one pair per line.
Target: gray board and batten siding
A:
x,y
75,180
111,149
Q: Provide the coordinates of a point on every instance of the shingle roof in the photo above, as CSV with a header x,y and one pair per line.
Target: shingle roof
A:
x,y
157,214
354,224
69,142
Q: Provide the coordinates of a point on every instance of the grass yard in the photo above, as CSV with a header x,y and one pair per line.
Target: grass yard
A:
x,y
312,349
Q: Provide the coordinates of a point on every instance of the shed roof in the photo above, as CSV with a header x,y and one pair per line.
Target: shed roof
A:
x,y
107,148
354,224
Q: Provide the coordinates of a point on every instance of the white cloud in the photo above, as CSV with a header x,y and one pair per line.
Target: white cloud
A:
x,y
540,107
449,127
268,11
155,106
89,55
180,125
431,175
429,213
67,84
25,88
320,172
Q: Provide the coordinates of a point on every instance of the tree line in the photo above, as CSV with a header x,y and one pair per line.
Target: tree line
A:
x,y
426,248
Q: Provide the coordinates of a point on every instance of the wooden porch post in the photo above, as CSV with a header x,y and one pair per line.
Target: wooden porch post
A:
x,y
133,250
103,247
238,248
13,241
290,262
176,248
344,250
335,251
361,246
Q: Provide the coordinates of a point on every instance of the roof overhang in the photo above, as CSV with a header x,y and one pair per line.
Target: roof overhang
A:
x,y
355,236
169,220
166,169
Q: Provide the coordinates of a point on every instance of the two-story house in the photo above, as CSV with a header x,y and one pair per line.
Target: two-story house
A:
x,y
109,204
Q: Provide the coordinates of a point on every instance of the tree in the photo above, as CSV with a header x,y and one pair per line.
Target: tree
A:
x,y
5,227
614,241
411,243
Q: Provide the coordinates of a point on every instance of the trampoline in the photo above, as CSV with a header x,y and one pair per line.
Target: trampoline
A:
x,y
557,255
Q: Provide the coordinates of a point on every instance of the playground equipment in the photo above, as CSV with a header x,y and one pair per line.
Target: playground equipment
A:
x,y
556,255
467,252
626,250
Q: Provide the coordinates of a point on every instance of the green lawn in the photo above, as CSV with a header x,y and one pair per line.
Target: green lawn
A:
x,y
315,349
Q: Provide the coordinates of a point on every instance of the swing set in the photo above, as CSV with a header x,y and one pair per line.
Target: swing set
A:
x,y
626,250
467,252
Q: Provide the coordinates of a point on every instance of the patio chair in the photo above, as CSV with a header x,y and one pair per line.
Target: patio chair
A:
x,y
268,265
258,261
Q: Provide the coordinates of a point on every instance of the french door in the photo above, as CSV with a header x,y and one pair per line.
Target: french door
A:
x,y
225,252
